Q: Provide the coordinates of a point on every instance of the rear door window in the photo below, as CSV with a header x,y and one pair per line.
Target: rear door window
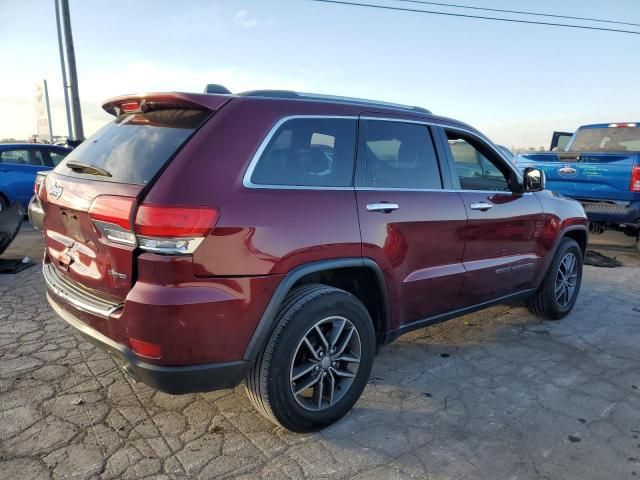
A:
x,y
309,152
399,155
16,157
133,147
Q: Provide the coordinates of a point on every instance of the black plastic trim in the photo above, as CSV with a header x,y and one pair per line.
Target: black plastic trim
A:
x,y
408,327
267,321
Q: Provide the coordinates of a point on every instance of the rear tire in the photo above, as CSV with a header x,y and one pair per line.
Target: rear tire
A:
x,y
560,287
323,340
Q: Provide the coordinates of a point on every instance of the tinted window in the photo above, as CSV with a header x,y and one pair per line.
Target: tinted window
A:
x,y
400,155
18,157
133,147
37,158
57,156
309,152
476,166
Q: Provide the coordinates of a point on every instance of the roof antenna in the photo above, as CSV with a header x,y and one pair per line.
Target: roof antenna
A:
x,y
215,88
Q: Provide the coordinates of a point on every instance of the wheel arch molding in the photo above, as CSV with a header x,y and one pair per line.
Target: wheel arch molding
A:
x,y
310,271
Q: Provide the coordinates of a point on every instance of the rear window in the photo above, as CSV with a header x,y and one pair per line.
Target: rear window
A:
x,y
309,152
609,139
133,147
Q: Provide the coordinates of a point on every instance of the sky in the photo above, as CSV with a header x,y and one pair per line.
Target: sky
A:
x,y
517,83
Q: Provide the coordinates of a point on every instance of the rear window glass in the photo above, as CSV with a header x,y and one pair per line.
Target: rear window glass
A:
x,y
309,152
133,147
609,139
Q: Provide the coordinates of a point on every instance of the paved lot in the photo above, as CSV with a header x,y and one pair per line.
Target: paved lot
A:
x,y
496,395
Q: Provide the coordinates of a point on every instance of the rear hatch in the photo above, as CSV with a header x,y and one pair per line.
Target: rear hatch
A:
x,y
91,197
603,176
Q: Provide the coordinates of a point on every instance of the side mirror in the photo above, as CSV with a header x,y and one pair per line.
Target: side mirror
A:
x,y
534,179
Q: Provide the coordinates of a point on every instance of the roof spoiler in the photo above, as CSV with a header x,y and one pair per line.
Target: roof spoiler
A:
x,y
142,102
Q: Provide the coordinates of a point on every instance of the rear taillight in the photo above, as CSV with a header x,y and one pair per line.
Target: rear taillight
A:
x,y
634,186
157,228
173,229
110,214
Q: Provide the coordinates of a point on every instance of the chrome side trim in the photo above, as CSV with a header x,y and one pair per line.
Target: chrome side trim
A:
x,y
246,180
80,297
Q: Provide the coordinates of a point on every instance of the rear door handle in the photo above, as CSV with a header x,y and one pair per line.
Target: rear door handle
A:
x,y
482,206
382,207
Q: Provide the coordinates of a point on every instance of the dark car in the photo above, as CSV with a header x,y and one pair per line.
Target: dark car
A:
x,y
19,164
283,238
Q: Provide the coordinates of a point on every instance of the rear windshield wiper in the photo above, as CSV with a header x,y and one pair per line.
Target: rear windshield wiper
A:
x,y
85,168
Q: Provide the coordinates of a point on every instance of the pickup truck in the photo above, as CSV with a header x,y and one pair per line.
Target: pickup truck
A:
x,y
599,167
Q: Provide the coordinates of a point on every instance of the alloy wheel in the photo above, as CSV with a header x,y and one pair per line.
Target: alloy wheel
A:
x,y
325,363
566,279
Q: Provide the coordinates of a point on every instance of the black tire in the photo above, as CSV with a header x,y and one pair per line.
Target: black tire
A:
x,y
269,383
543,302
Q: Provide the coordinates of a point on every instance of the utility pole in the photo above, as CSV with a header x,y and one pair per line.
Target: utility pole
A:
x,y
46,100
65,86
73,75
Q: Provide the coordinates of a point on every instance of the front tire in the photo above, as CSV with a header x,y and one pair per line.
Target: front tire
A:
x,y
559,290
316,362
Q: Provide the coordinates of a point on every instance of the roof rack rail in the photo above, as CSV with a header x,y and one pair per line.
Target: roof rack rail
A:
x,y
331,98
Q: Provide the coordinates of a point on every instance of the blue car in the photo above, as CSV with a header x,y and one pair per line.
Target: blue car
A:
x,y
19,163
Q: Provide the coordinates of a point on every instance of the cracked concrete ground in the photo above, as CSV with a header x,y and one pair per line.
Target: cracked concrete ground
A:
x,y
497,395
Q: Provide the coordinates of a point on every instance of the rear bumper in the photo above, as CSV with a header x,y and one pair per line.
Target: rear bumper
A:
x,y
174,380
624,213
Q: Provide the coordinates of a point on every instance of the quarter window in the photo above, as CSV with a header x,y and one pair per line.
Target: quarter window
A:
x,y
400,155
476,166
309,152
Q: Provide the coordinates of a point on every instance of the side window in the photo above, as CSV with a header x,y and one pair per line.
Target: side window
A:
x,y
18,157
477,167
57,156
37,159
400,155
309,152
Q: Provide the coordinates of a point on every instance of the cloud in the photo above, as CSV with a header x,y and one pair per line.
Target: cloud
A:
x,y
245,20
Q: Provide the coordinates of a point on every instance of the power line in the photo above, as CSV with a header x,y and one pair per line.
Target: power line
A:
x,y
519,12
480,17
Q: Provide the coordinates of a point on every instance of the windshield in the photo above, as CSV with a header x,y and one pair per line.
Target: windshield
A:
x,y
133,147
607,139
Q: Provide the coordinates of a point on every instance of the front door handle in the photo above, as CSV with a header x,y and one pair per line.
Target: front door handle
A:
x,y
482,206
382,207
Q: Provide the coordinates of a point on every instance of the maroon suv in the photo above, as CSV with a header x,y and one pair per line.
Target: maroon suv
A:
x,y
283,238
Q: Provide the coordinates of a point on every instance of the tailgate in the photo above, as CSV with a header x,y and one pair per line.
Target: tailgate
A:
x,y
90,198
72,242
602,176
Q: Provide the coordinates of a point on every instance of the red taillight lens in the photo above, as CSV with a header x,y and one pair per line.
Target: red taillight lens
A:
x,y
634,186
146,349
174,221
112,209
